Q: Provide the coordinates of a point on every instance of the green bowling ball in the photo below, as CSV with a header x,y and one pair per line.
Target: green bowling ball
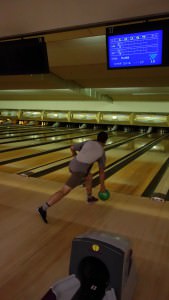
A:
x,y
104,195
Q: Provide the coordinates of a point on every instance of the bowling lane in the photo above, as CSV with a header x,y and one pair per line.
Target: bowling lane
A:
x,y
112,156
42,159
35,139
10,136
20,129
33,162
130,179
136,176
44,143
163,185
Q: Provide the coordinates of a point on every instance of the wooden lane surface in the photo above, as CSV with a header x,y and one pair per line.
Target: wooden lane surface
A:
x,y
8,136
19,166
16,138
59,175
24,164
37,140
62,174
163,185
34,255
136,176
39,148
53,138
12,135
131,179
19,129
16,128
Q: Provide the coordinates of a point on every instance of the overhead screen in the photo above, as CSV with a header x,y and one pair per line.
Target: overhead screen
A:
x,y
23,56
139,45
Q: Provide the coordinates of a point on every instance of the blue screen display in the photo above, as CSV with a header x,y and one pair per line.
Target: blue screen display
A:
x,y
135,49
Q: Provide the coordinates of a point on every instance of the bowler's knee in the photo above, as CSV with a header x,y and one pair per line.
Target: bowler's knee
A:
x,y
65,190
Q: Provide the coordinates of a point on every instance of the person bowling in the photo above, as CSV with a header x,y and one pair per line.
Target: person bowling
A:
x,y
85,154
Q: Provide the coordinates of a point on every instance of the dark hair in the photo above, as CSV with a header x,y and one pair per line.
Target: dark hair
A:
x,y
102,137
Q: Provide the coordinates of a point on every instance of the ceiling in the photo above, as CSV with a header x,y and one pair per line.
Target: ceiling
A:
x,y
78,71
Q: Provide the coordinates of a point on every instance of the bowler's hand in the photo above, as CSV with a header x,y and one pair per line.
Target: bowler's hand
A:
x,y
102,189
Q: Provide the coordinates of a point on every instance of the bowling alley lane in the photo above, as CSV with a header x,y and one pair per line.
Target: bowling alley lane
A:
x,y
21,129
58,175
136,176
25,164
112,156
41,159
35,139
163,185
47,142
11,136
130,179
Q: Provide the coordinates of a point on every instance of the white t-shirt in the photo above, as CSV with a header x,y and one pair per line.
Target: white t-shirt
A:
x,y
90,152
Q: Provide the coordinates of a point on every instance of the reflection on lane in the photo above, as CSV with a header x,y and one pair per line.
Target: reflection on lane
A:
x,y
10,136
133,178
136,176
112,156
49,157
39,150
37,140
163,146
47,147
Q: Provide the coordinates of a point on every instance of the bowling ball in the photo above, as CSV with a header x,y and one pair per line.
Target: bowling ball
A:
x,y
104,195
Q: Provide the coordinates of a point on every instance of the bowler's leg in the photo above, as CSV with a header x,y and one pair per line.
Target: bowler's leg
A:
x,y
52,200
88,185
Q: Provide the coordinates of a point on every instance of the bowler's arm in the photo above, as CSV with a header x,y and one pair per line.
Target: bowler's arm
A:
x,y
73,151
102,178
